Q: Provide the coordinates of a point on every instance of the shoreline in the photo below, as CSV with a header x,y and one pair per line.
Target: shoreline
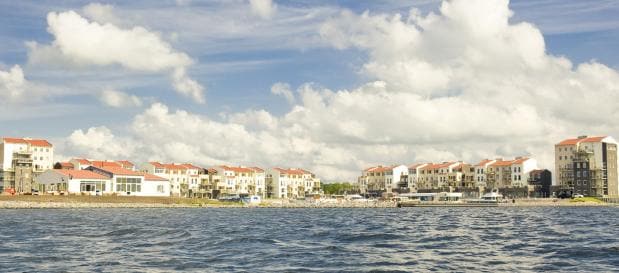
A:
x,y
75,202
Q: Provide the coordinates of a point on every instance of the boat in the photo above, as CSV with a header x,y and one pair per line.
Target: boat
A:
x,y
442,199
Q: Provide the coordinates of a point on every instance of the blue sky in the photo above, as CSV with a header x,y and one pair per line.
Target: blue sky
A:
x,y
238,55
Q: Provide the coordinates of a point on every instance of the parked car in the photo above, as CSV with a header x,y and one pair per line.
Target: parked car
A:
x,y
578,196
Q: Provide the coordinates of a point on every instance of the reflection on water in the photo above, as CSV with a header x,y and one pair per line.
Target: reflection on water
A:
x,y
216,240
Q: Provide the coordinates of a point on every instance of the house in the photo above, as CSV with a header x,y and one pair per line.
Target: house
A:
x,y
22,160
73,182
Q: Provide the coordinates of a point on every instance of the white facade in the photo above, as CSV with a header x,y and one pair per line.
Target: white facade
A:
x,y
521,170
41,150
73,182
480,172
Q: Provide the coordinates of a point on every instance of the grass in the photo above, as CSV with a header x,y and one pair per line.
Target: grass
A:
x,y
586,199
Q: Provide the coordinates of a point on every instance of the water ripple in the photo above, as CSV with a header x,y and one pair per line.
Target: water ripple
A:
x,y
310,240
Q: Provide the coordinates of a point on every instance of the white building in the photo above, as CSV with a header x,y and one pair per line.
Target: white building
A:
x,y
73,182
481,169
291,183
521,170
21,160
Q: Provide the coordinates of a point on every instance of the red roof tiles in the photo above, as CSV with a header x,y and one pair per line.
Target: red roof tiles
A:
x,y
33,142
120,171
152,177
80,174
574,141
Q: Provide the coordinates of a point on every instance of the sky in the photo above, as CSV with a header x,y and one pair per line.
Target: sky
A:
x,y
330,86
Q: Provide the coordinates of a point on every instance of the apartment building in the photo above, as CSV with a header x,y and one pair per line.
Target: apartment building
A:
x,y
178,175
509,173
290,183
22,160
481,169
383,179
414,173
587,165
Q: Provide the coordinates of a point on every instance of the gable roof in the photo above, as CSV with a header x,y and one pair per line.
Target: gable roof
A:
x,y
33,142
119,171
574,141
99,163
80,174
152,177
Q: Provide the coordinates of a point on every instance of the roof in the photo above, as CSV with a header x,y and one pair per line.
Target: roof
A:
x,y
33,142
483,162
520,160
379,169
120,171
291,171
191,166
156,164
66,164
125,163
80,174
432,166
574,141
152,177
98,163
236,169
173,166
82,161
500,163
415,166
256,169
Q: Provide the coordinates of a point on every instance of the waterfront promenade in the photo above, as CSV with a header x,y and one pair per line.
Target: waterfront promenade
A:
x,y
45,201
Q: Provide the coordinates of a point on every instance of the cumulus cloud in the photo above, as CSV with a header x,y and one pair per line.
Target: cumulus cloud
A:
x,y
12,83
463,83
265,9
99,142
101,13
78,41
119,99
283,89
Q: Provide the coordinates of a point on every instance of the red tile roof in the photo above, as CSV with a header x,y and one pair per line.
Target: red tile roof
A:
x,y
520,160
483,162
120,171
415,166
256,169
500,163
33,142
574,141
152,177
83,161
236,169
125,163
80,174
173,166
156,164
98,163
191,166
66,165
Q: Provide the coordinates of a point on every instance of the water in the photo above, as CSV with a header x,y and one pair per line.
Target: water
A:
x,y
310,240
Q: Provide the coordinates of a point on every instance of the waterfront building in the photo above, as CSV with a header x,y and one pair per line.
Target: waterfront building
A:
x,y
481,169
413,176
133,183
541,181
74,182
383,179
179,175
587,166
22,160
291,183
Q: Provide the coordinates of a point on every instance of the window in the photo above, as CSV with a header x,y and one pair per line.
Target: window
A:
x,y
160,189
128,184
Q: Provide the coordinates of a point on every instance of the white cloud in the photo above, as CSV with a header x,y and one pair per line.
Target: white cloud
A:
x,y
12,84
463,83
119,99
283,89
99,142
263,8
83,43
101,13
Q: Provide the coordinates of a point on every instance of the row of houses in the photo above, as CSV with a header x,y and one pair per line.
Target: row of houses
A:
x,y
488,173
583,166
27,164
